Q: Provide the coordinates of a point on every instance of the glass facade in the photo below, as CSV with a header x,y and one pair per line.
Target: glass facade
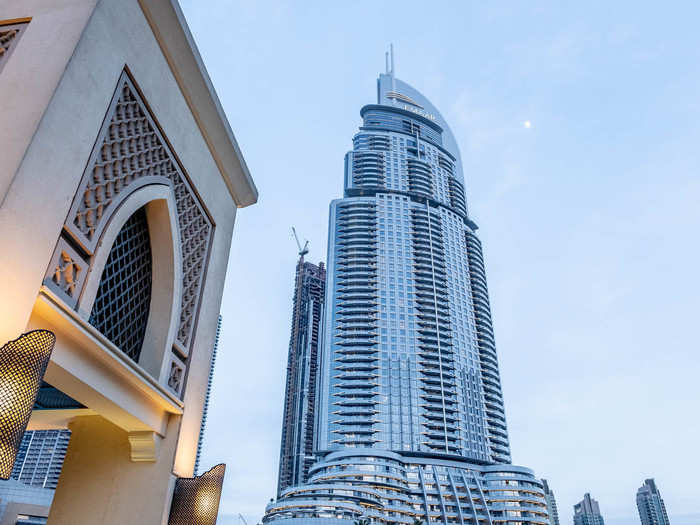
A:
x,y
410,422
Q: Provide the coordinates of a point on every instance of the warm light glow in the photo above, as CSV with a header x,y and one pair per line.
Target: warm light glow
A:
x,y
196,500
22,366
527,124
205,502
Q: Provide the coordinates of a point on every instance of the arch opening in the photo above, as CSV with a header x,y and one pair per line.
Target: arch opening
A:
x,y
123,301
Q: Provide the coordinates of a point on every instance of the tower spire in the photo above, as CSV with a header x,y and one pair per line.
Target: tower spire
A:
x,y
391,54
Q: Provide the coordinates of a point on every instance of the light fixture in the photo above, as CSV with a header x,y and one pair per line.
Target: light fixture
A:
x,y
196,500
22,366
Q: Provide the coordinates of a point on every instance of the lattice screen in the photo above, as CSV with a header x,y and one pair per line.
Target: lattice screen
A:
x,y
123,300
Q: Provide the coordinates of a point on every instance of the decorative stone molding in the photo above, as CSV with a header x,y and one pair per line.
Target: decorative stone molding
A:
x,y
131,152
9,36
66,273
176,374
144,446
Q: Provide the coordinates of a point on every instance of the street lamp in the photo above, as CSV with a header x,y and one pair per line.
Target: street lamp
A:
x,y
196,500
22,366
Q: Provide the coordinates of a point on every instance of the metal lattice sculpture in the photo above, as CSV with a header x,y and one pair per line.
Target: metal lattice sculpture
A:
x,y
22,366
196,500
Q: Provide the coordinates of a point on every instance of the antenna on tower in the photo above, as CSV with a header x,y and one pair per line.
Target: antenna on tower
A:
x,y
302,251
391,54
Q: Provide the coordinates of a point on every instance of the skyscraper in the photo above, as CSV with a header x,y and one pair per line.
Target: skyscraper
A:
x,y
40,458
296,449
551,504
652,510
410,422
587,512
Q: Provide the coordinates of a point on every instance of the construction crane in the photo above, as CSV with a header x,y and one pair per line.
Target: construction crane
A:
x,y
302,251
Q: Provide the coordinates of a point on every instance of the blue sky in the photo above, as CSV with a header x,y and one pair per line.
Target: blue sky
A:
x,y
589,218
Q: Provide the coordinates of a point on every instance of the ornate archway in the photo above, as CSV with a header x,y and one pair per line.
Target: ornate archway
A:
x,y
131,152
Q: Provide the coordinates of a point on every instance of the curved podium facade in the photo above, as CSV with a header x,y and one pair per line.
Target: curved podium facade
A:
x,y
388,487
410,421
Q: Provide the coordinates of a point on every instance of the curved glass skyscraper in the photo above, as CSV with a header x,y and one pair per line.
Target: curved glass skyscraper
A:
x,y
410,422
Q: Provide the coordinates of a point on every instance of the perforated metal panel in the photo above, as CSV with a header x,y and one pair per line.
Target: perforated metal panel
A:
x,y
123,299
23,363
196,500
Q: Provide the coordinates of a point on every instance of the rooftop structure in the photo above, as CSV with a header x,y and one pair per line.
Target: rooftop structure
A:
x,y
587,512
652,510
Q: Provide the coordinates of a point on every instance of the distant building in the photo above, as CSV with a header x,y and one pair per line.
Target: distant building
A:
x,y
296,449
551,504
652,510
40,458
26,497
21,504
587,512
200,441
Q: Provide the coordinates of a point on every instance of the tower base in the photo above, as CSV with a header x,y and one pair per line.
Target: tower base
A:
x,y
399,488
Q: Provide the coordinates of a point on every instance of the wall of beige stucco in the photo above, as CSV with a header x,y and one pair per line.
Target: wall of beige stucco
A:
x,y
65,93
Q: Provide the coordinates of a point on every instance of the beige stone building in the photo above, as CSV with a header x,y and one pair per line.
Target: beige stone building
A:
x,y
120,179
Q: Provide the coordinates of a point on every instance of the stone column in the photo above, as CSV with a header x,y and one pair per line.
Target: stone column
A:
x,y
111,477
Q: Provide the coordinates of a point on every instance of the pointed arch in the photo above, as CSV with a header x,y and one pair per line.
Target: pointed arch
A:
x,y
132,155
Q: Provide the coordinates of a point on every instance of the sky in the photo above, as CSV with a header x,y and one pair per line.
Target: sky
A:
x,y
589,216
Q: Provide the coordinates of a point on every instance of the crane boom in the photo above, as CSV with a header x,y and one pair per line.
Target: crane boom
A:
x,y
302,251
240,517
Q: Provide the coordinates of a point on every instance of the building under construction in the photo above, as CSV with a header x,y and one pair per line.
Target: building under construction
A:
x,y
296,451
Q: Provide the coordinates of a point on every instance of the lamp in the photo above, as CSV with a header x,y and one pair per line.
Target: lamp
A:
x,y
22,366
196,500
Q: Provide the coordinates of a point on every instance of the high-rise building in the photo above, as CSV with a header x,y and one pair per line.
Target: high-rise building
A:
x,y
652,510
551,504
296,449
200,440
40,458
410,421
587,512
